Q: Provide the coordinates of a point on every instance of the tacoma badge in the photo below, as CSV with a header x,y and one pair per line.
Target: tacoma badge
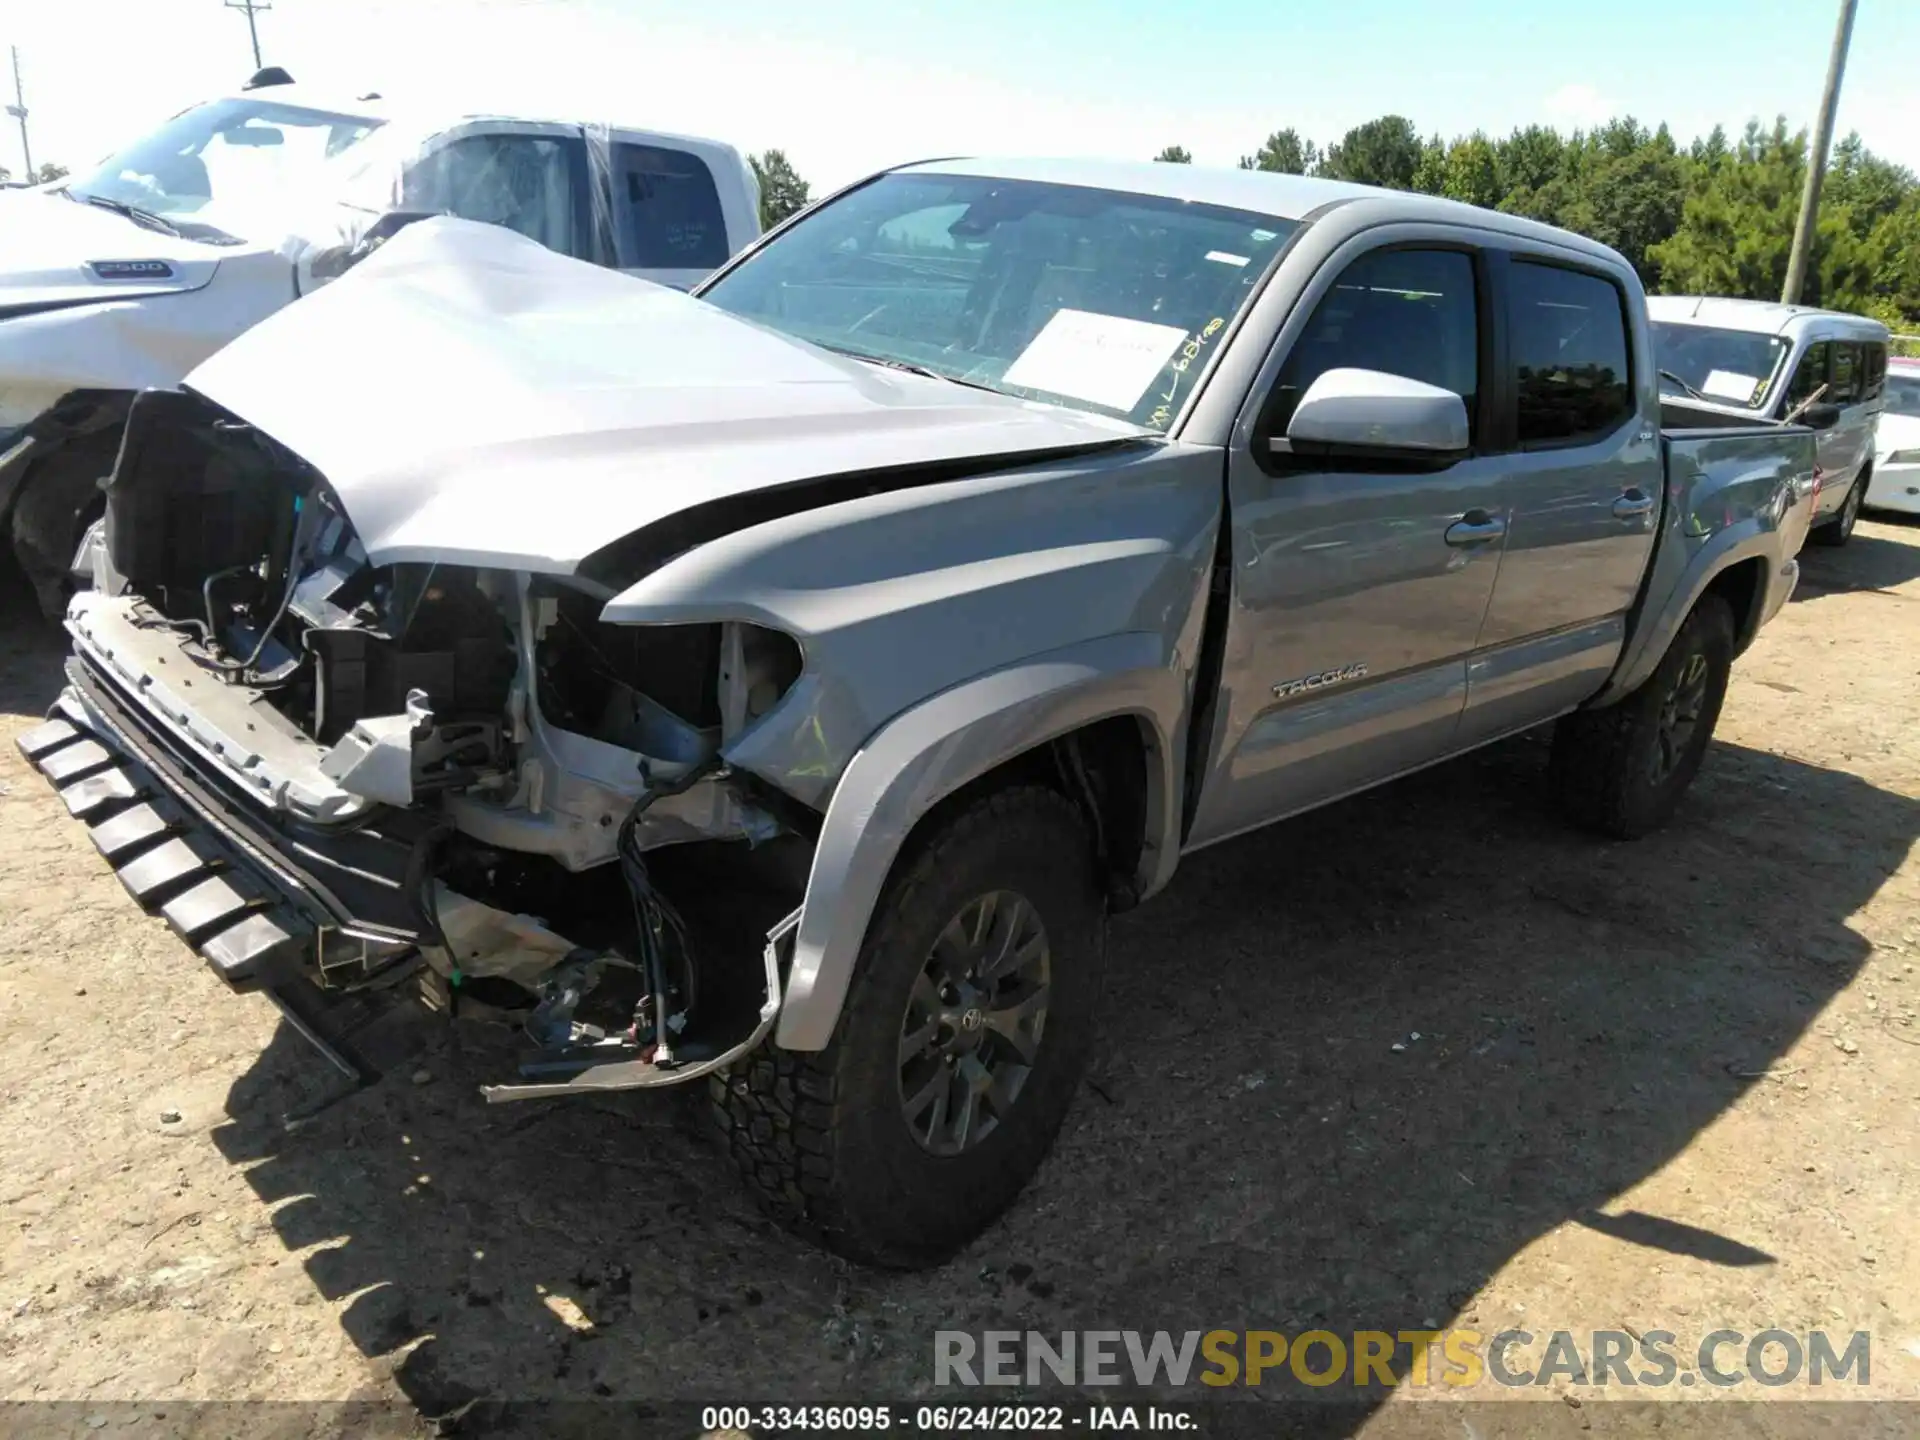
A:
x,y
1320,681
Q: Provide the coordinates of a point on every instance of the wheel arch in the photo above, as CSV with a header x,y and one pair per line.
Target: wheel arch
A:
x,y
1102,722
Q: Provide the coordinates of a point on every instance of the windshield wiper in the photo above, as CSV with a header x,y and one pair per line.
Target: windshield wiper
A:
x,y
911,367
131,212
1669,375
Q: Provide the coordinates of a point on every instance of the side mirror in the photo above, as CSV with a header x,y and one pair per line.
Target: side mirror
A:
x,y
336,260
1820,417
1368,411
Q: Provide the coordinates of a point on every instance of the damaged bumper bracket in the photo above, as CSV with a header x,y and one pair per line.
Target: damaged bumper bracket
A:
x,y
644,1075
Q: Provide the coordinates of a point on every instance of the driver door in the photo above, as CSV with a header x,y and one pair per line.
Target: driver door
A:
x,y
1359,585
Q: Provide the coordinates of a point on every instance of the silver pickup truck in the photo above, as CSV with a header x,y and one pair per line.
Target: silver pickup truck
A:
x,y
778,688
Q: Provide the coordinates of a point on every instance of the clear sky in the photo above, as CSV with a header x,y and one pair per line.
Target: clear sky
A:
x,y
846,86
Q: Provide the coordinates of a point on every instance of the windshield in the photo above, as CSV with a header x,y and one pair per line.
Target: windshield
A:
x,y
1903,393
1735,366
223,151
1097,299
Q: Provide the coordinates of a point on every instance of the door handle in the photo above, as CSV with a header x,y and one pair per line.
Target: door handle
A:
x,y
1476,527
1633,504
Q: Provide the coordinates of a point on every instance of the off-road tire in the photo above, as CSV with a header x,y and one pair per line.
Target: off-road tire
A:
x,y
821,1139
1839,530
1602,761
59,498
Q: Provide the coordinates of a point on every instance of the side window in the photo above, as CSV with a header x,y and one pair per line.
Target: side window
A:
x,y
1876,371
1846,375
1568,332
524,182
1809,376
668,210
1405,312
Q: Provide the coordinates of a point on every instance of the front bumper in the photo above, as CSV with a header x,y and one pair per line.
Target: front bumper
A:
x,y
251,897
261,897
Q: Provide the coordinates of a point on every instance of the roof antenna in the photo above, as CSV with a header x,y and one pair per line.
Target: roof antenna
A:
x,y
1698,301
269,75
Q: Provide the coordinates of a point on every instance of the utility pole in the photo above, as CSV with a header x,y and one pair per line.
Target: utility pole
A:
x,y
1803,228
253,32
19,112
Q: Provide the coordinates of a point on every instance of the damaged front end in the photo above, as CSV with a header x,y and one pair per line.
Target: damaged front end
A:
x,y
332,776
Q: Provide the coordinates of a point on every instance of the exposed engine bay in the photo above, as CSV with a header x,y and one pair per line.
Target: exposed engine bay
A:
x,y
486,771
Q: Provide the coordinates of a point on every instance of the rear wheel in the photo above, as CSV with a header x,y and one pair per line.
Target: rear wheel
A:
x,y
962,1041
1839,530
1621,771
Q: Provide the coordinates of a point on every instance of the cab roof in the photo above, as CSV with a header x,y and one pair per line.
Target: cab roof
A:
x,y
1286,197
1761,317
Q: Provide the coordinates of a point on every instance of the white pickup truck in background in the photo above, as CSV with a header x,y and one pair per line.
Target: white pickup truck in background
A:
x,y
126,277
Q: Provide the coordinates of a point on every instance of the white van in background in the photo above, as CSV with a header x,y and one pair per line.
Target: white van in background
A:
x,y
1744,358
126,277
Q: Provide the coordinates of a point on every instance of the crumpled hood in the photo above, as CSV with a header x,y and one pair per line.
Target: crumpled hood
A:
x,y
50,240
473,398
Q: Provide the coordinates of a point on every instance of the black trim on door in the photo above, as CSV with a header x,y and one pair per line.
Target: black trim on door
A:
x,y
1486,348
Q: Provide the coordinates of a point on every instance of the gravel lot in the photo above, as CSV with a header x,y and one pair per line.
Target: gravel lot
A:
x,y
1668,1085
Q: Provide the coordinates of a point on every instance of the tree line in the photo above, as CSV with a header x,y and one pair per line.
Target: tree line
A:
x,y
1713,218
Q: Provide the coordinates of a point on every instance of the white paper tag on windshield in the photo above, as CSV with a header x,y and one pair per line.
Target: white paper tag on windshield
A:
x,y
1100,358
1731,385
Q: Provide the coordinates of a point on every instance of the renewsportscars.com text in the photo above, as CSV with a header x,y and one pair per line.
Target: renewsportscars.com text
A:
x,y
1652,1359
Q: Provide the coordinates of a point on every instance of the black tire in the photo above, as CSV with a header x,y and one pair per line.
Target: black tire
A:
x,y
1621,770
59,498
1839,530
823,1140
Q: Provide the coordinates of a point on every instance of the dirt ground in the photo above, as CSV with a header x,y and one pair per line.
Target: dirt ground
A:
x,y
1666,1085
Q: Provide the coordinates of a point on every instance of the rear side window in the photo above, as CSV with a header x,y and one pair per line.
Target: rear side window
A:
x,y
668,210
1876,371
1846,374
1405,312
1569,339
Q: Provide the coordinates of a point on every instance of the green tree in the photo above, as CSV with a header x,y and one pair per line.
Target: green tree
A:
x,y
1285,152
782,191
1430,175
1175,155
1472,172
1385,152
1737,224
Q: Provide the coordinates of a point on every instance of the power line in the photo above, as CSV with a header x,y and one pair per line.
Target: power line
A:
x,y
253,32
1803,228
19,112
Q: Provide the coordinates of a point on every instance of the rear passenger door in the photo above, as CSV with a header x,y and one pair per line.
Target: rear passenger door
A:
x,y
669,222
1858,398
1359,584
1582,488
1813,375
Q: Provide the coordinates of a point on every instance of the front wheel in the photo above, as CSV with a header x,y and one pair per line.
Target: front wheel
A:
x,y
964,1034
1839,530
1621,771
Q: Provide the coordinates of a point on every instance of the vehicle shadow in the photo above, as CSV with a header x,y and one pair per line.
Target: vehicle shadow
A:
x,y
1264,1144
1881,556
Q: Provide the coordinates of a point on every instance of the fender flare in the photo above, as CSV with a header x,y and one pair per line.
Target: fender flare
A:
x,y
1661,616
925,754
